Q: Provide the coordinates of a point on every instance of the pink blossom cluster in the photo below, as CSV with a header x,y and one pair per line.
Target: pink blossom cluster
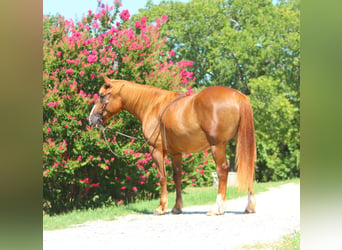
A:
x,y
124,15
83,53
52,104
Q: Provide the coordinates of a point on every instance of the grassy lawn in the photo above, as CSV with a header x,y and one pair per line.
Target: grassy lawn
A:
x,y
191,196
289,242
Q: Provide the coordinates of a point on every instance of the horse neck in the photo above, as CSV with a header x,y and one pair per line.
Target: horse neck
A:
x,y
138,99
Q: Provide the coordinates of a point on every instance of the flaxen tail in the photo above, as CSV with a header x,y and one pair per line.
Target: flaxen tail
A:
x,y
246,147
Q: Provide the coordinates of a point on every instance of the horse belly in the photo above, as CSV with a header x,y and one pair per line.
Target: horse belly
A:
x,y
187,141
183,131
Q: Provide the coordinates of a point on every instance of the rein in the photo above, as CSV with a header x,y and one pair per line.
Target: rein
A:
x,y
117,132
164,113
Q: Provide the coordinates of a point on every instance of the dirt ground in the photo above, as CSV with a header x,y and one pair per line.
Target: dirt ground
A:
x,y
278,214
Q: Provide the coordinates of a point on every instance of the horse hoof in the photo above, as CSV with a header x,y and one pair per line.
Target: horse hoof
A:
x,y
214,213
249,211
176,210
158,212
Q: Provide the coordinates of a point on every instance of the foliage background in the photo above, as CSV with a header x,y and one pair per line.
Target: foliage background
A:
x,y
183,47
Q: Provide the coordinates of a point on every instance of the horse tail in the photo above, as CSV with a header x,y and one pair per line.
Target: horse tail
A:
x,y
246,147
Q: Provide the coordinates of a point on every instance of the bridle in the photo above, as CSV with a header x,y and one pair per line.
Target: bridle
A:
x,y
104,102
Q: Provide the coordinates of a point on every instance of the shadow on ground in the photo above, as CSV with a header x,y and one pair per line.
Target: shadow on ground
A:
x,y
148,212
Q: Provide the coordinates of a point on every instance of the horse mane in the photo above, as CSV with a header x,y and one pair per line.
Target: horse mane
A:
x,y
148,94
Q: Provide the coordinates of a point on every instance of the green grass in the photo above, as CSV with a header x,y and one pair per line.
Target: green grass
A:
x,y
289,242
191,196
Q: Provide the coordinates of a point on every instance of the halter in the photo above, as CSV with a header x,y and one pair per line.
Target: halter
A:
x,y
105,102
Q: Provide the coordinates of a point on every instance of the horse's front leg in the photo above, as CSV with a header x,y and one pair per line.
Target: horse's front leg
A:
x,y
177,177
158,158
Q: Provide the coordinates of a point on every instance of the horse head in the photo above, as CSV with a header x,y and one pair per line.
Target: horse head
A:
x,y
108,104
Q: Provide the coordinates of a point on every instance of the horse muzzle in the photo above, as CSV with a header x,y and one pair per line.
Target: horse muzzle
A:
x,y
95,120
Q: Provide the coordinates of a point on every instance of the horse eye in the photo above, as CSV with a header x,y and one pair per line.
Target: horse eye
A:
x,y
102,97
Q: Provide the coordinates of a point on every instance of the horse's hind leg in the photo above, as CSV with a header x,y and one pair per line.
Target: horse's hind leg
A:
x,y
222,169
251,200
177,177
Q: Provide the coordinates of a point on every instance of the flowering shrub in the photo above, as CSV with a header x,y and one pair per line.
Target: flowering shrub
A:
x,y
78,169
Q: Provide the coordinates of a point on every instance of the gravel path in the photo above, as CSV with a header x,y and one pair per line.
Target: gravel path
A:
x,y
278,214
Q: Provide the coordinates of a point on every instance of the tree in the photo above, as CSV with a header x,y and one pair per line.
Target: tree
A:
x,y
232,42
277,134
246,45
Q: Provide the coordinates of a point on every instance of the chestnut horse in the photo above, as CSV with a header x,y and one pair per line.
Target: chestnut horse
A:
x,y
174,124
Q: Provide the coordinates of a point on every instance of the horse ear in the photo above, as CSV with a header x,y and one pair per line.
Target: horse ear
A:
x,y
106,79
107,84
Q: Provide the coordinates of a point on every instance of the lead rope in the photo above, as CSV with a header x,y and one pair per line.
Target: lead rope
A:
x,y
117,132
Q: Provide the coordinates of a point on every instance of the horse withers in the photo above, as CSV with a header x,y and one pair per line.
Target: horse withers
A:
x,y
174,124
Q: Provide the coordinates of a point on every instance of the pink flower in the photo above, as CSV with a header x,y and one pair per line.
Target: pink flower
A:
x,y
164,18
106,167
124,15
82,73
134,189
48,130
171,53
69,71
138,25
92,58
86,180
95,25
58,54
119,202
85,52
52,104
190,92
143,19
123,188
128,178
46,171
95,184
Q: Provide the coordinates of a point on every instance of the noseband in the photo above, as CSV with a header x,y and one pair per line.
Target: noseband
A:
x,y
104,102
